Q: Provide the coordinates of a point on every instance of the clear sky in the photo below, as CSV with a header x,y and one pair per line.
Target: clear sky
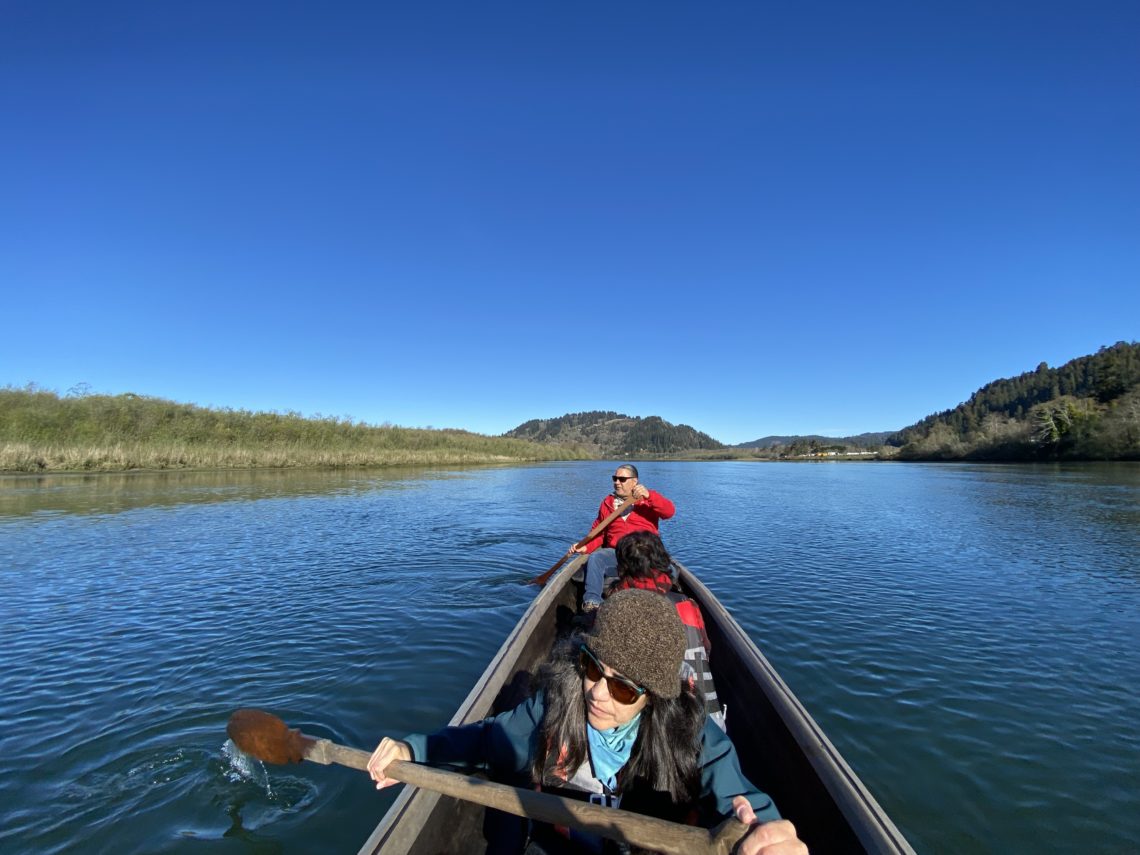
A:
x,y
753,217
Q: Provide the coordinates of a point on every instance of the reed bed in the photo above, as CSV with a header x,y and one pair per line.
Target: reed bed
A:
x,y
40,431
22,457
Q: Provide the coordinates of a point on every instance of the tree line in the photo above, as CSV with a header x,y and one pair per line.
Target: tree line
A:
x,y
1088,409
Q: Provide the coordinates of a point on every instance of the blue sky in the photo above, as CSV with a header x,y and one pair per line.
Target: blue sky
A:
x,y
754,218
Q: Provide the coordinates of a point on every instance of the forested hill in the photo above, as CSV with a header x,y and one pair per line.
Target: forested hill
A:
x,y
615,434
1088,408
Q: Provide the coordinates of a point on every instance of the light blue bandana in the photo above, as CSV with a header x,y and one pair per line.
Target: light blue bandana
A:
x,y
610,749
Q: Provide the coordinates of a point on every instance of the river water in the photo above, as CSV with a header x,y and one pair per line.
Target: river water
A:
x,y
968,636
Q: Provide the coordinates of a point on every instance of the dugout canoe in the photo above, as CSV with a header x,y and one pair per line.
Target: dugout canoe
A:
x,y
782,749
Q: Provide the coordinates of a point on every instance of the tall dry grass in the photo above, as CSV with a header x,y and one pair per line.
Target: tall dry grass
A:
x,y
41,431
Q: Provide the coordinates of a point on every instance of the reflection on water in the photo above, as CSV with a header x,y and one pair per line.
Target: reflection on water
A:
x,y
966,635
79,493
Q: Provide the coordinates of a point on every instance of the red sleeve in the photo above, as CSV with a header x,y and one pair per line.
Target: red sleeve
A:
x,y
659,505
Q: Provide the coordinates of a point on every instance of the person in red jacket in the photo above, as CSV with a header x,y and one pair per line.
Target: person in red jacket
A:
x,y
647,508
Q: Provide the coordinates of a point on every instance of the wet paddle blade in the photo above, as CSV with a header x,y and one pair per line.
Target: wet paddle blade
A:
x,y
266,737
541,579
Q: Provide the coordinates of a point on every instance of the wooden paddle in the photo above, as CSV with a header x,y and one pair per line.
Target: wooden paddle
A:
x,y
270,740
624,508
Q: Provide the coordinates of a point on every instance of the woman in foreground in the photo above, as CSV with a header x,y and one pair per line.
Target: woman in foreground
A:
x,y
611,722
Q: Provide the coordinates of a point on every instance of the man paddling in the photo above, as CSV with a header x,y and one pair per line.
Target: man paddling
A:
x,y
646,509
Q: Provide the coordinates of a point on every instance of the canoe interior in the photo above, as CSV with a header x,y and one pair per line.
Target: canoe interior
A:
x,y
781,748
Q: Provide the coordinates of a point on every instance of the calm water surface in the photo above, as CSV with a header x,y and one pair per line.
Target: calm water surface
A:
x,y
969,637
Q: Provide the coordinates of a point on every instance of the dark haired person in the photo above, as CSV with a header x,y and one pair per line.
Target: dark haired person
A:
x,y
612,722
646,509
644,563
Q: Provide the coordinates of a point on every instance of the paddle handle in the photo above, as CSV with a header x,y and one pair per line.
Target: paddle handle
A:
x,y
625,508
632,828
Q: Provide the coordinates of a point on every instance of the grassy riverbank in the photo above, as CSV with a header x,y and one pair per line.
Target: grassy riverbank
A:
x,y
41,431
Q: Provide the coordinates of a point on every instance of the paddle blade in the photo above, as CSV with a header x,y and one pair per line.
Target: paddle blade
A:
x,y
266,737
541,578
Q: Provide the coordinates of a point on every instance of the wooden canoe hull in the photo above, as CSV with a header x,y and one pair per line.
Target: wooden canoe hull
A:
x,y
782,750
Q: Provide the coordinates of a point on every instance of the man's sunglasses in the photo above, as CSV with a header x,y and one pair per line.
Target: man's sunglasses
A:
x,y
621,690
622,478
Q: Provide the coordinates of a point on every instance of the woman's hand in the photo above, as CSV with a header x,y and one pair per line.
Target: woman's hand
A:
x,y
771,838
387,751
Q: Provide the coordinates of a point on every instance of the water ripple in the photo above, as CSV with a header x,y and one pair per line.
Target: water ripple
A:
x,y
965,635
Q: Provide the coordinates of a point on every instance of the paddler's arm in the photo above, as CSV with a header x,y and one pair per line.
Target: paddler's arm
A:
x,y
721,776
723,780
654,501
604,509
504,742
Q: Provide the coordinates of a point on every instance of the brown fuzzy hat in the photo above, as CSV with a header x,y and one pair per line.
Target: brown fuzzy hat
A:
x,y
639,634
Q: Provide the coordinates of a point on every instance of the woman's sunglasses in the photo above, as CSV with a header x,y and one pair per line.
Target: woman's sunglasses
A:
x,y
622,478
621,690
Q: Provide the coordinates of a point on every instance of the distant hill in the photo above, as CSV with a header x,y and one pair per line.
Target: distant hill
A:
x,y
1088,409
863,440
611,434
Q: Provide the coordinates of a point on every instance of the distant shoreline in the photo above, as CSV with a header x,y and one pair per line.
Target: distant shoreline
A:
x,y
43,432
30,459
24,458
63,462
27,459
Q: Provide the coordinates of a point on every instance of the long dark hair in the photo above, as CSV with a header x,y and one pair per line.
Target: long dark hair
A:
x,y
641,555
666,755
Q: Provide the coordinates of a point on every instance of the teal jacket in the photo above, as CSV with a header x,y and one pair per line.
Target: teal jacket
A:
x,y
504,746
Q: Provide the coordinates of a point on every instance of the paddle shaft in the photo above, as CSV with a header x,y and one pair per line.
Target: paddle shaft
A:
x,y
632,828
540,580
